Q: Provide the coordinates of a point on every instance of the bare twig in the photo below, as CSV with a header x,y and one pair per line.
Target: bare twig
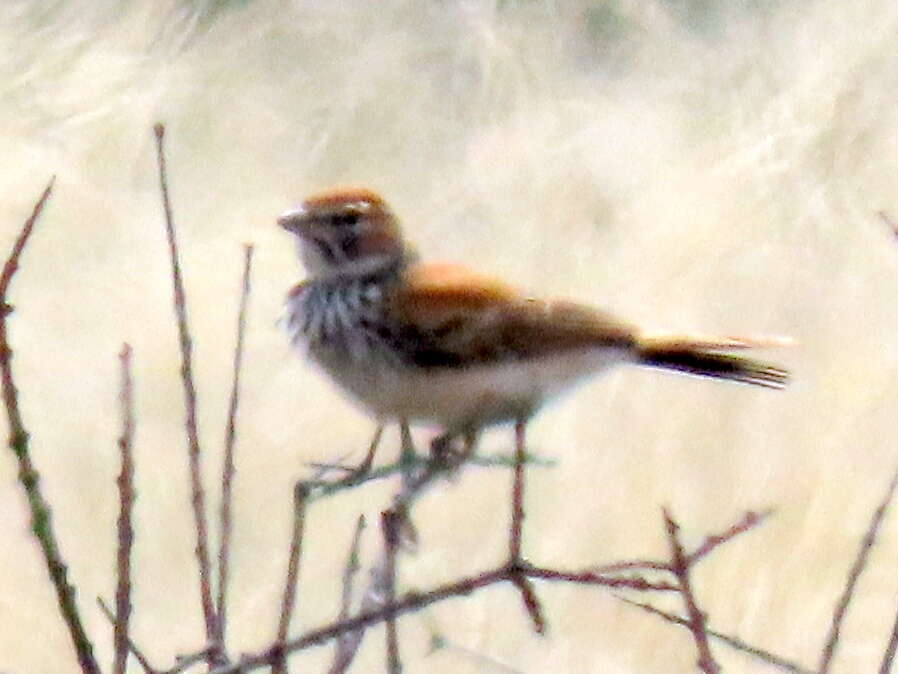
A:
x,y
41,517
733,642
413,601
198,498
592,578
680,568
390,524
346,647
300,499
407,468
747,523
125,530
517,495
528,594
889,655
227,477
135,650
860,563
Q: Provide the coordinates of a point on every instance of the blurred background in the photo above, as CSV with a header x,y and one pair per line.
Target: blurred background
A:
x,y
690,165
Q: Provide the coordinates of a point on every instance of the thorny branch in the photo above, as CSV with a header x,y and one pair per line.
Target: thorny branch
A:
x,y
198,501
125,530
227,478
680,568
347,645
860,563
41,517
300,499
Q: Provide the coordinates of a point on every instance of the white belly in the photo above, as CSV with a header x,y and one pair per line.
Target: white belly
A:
x,y
458,398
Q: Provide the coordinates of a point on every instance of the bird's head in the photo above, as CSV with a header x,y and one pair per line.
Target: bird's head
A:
x,y
346,232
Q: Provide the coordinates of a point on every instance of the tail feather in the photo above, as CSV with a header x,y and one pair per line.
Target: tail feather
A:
x,y
703,357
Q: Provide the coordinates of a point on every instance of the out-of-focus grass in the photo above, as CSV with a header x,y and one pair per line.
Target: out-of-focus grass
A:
x,y
690,165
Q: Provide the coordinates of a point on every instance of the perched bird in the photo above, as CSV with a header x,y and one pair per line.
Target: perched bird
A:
x,y
439,343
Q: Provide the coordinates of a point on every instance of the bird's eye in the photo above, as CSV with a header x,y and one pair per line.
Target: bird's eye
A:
x,y
345,219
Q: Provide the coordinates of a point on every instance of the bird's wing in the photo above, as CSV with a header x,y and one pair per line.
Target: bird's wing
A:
x,y
446,315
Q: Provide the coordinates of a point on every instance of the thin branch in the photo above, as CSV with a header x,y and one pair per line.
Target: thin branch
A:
x,y
227,477
300,499
860,563
680,568
135,650
413,601
347,646
517,496
747,523
125,530
528,594
733,642
324,488
390,524
180,304
592,578
41,516
889,655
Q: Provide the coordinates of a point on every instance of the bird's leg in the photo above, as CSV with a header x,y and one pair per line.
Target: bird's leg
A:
x,y
359,472
446,456
407,454
441,449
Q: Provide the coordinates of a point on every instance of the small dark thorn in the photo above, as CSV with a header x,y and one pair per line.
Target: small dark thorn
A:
x,y
159,130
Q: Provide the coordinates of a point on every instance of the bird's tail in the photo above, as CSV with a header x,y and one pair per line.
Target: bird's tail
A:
x,y
709,357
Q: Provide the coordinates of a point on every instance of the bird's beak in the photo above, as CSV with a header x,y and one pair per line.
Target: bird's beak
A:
x,y
293,220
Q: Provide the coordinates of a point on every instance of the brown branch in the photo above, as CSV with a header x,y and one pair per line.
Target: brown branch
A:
x,y
889,655
733,642
135,650
41,516
592,578
413,601
390,524
347,646
680,568
632,565
300,499
193,443
747,523
860,563
125,530
227,477
528,594
517,496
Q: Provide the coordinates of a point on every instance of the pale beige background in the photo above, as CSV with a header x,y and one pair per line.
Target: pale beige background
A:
x,y
688,166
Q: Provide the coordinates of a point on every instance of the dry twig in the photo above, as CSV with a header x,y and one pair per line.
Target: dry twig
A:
x,y
347,645
300,499
133,647
193,443
41,517
860,563
738,644
391,523
413,601
227,477
680,568
125,530
528,594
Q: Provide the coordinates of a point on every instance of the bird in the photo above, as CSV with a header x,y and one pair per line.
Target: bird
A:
x,y
437,343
